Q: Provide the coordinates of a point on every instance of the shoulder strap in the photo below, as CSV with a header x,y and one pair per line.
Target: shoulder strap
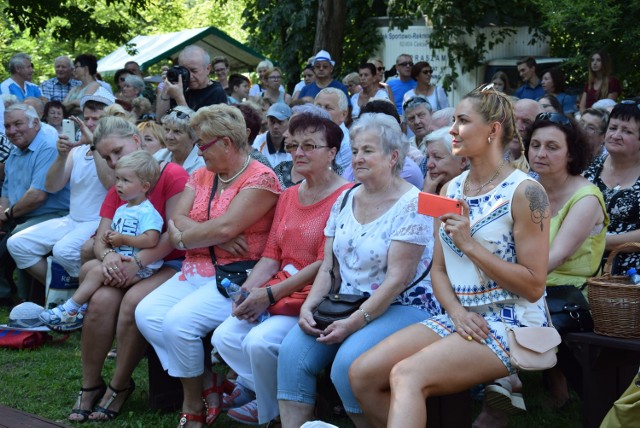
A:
x,y
333,275
213,192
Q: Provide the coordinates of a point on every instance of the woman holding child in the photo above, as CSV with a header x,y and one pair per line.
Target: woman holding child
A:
x,y
293,254
226,209
484,280
377,245
112,305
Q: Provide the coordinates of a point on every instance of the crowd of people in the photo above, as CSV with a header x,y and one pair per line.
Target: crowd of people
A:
x,y
160,193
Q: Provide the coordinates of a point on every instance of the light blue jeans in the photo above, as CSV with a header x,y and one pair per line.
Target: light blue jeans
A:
x,y
302,358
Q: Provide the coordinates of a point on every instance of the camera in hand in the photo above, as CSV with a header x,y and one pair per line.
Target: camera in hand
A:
x,y
178,70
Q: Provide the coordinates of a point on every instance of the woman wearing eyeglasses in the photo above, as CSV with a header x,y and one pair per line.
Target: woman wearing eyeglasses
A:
x,y
289,264
273,89
617,175
437,97
378,246
180,140
487,273
225,212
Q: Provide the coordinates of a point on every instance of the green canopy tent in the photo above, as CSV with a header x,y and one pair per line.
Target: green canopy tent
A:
x,y
149,50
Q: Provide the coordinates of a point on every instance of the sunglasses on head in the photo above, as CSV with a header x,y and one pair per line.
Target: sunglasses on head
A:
x,y
557,118
179,114
628,102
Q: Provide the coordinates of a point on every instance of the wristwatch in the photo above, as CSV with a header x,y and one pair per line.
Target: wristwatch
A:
x,y
181,245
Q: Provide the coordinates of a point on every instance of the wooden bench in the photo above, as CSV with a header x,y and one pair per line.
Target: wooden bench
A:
x,y
11,418
608,365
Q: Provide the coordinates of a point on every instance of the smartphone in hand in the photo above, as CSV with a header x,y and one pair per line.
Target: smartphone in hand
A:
x,y
69,129
435,205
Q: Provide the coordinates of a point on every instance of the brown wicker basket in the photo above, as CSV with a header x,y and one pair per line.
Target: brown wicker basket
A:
x,y
615,300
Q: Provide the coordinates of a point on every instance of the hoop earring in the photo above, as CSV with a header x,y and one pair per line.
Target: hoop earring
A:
x,y
489,140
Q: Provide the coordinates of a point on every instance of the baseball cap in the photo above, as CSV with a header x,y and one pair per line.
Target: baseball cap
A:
x,y
280,111
101,95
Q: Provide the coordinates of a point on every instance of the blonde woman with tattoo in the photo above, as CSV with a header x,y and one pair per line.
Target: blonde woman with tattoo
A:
x,y
489,271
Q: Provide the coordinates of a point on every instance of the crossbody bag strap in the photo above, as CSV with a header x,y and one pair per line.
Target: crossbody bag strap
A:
x,y
331,274
213,193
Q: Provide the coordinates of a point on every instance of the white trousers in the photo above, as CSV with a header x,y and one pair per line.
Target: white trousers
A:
x,y
175,316
63,236
252,351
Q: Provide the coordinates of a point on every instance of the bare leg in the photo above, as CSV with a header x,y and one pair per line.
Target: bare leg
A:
x,y
86,252
93,280
131,344
294,414
369,374
192,402
439,369
359,420
39,271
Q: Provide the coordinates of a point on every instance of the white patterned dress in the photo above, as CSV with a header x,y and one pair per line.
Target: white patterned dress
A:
x,y
491,223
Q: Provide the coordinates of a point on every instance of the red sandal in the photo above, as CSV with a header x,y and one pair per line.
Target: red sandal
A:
x,y
185,418
225,386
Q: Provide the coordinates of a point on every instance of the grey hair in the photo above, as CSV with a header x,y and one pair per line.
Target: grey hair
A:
x,y
114,126
28,110
194,49
135,81
65,59
445,113
183,124
388,131
311,109
343,102
264,64
440,134
415,102
17,61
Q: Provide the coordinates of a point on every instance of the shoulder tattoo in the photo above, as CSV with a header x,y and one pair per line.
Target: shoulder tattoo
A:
x,y
538,204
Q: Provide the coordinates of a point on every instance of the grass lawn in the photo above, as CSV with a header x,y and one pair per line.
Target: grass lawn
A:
x,y
46,381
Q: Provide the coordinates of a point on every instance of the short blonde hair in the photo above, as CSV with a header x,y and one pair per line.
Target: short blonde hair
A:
x,y
145,166
114,126
221,120
156,130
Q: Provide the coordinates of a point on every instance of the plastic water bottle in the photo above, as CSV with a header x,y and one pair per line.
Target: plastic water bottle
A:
x,y
634,276
237,294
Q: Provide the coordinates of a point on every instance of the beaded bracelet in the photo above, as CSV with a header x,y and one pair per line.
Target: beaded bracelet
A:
x,y
109,250
138,262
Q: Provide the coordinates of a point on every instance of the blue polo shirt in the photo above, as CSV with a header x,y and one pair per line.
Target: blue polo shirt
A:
x,y
311,90
527,92
400,88
9,86
27,169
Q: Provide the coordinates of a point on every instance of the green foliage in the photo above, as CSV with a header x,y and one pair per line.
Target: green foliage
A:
x,y
285,30
577,29
455,24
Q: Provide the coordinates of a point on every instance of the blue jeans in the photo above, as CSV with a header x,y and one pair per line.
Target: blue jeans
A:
x,y
302,358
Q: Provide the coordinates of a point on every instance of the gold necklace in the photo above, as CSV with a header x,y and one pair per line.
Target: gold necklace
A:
x,y
476,191
229,180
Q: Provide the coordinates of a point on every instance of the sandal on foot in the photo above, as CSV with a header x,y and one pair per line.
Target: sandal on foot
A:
x,y
185,418
212,413
102,388
112,414
499,396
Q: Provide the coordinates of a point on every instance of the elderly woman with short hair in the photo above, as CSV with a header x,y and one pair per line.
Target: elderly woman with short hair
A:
x,y
132,87
180,140
377,245
442,164
226,209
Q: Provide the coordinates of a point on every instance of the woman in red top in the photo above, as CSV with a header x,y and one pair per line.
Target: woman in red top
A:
x,y
112,306
294,253
228,205
600,84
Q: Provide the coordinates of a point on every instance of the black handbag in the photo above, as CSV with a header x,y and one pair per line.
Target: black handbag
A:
x,y
569,309
235,272
335,306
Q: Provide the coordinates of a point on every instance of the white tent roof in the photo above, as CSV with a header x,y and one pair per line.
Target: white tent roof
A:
x,y
149,50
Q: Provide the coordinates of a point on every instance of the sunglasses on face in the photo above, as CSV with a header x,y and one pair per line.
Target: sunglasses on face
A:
x,y
427,71
380,68
321,66
406,63
557,118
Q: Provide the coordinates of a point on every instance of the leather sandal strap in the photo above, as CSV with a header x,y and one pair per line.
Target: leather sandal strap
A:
x,y
185,418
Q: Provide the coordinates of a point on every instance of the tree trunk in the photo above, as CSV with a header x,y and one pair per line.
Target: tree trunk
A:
x,y
330,28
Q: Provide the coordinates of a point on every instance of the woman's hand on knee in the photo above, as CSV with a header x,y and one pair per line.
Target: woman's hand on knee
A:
x,y
255,304
117,269
307,323
470,325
